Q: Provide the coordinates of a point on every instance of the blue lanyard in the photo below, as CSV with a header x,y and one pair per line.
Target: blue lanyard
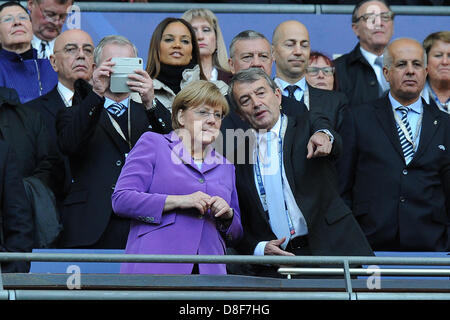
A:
x,y
262,190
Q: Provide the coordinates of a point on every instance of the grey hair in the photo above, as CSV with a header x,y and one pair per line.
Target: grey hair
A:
x,y
116,39
249,75
246,35
388,60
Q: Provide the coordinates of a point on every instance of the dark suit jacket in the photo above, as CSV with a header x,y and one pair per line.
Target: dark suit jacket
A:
x,y
16,218
356,78
96,153
332,228
399,207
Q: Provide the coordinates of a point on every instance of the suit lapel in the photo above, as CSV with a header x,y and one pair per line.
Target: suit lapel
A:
x,y
53,102
288,142
430,124
385,117
106,124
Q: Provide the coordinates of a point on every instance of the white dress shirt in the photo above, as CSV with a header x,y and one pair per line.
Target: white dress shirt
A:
x,y
66,94
298,94
298,221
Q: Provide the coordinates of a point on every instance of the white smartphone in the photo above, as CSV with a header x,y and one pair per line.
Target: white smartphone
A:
x,y
121,70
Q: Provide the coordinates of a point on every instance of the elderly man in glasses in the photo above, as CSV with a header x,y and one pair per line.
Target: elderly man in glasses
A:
x,y
48,17
360,72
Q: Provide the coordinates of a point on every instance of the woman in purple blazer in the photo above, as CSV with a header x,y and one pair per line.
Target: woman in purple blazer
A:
x,y
180,193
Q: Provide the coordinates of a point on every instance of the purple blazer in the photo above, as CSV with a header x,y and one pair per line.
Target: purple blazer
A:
x,y
158,166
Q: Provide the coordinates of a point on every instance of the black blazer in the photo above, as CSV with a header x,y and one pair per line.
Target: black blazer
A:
x,y
16,218
96,153
356,78
332,228
399,207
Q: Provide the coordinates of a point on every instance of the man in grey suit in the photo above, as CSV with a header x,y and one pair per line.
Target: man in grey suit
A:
x,y
395,165
284,185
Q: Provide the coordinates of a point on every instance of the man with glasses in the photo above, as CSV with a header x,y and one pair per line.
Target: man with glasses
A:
x,y
48,17
359,72
291,51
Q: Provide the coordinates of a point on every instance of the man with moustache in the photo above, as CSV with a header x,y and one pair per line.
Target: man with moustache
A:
x,y
359,73
47,18
289,206
395,163
96,134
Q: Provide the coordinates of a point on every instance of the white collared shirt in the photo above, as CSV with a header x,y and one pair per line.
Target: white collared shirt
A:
x,y
370,57
414,118
66,94
36,44
298,221
298,94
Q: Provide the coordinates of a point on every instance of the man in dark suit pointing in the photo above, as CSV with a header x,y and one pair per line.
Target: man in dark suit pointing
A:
x,y
284,186
396,162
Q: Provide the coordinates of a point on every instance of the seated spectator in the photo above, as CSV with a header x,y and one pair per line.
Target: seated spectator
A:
x,y
16,228
174,60
320,72
20,68
179,192
213,51
437,87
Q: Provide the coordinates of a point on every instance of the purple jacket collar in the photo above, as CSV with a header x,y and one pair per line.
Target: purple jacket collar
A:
x,y
181,155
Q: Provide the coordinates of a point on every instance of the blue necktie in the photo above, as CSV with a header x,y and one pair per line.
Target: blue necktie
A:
x,y
291,90
274,193
116,109
407,146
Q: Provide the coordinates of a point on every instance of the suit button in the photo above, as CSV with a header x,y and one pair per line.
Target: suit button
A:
x,y
402,199
372,83
201,180
118,163
405,172
200,216
113,186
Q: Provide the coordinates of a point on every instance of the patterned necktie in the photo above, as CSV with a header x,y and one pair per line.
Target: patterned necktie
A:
x,y
116,109
291,90
43,53
384,85
407,146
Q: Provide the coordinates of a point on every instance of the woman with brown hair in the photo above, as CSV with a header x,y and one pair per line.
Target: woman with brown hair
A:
x,y
174,60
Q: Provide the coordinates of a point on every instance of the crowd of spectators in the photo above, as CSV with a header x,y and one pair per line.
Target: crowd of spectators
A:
x,y
205,153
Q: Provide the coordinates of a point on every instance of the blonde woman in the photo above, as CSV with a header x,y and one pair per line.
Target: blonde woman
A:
x,y
213,52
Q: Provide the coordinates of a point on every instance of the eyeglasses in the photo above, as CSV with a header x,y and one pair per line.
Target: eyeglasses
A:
x,y
73,50
205,114
51,16
10,18
314,71
371,17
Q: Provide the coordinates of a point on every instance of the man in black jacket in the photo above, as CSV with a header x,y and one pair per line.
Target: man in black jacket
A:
x,y
97,133
360,72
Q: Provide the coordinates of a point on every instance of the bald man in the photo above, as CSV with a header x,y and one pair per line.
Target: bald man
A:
x,y
291,49
72,59
395,164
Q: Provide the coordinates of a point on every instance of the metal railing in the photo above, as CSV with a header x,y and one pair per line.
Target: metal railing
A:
x,y
410,266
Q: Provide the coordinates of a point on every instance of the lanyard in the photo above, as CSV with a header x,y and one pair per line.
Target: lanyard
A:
x,y
402,126
119,129
259,178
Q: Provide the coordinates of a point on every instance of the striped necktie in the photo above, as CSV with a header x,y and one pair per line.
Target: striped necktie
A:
x,y
43,53
407,146
116,109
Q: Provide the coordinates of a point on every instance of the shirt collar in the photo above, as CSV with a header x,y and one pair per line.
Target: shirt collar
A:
x,y
66,93
416,106
109,102
283,84
370,57
275,130
36,43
